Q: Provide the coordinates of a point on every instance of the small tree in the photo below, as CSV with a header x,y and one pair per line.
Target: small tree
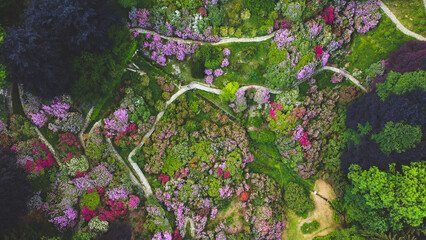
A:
x,y
297,199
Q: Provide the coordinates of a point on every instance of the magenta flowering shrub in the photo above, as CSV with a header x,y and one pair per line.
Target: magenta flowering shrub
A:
x,y
33,156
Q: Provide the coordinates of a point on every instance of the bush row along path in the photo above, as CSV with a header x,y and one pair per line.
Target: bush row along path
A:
x,y
189,41
398,23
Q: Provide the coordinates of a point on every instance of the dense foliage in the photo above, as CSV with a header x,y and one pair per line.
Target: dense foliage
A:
x,y
60,30
383,201
15,190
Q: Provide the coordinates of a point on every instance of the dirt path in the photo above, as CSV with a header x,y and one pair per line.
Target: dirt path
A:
x,y
322,213
398,23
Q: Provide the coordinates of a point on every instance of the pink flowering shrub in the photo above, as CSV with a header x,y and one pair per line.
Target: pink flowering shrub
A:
x,y
273,111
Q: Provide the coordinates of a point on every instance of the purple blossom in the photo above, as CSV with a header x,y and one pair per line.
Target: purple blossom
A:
x,y
306,71
3,127
367,15
209,79
226,52
298,133
162,236
39,119
218,72
262,96
225,62
208,71
117,123
324,58
117,193
283,38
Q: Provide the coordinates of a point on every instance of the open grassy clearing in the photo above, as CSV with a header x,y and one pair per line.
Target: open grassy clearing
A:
x,y
375,45
322,213
412,14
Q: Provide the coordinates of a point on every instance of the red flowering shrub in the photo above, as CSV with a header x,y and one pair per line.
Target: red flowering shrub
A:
x,y
245,195
318,51
163,178
176,235
87,214
219,171
329,15
304,140
42,158
112,210
203,11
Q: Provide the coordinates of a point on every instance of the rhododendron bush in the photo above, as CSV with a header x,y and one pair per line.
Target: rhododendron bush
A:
x,y
57,116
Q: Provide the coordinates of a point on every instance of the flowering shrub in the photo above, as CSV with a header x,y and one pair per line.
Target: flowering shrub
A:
x,y
273,111
367,15
117,193
98,225
67,219
133,202
318,51
160,50
77,165
116,123
57,114
328,15
34,156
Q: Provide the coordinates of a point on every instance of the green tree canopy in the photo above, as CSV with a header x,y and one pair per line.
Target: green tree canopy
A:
x,y
297,199
398,137
399,84
383,201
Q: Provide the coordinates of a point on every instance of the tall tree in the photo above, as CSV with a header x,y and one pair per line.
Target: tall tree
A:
x,y
15,190
39,55
391,200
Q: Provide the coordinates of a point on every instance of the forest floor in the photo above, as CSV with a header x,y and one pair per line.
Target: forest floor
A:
x,y
323,214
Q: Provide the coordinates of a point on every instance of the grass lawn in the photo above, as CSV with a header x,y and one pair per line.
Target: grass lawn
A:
x,y
247,65
292,227
412,14
267,161
375,45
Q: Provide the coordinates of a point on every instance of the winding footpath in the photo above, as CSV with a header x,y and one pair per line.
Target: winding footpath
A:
x,y
39,134
189,41
398,23
345,74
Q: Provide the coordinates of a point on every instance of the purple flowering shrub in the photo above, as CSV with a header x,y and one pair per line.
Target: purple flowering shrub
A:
x,y
243,98
58,114
117,123
156,221
211,73
160,49
302,40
